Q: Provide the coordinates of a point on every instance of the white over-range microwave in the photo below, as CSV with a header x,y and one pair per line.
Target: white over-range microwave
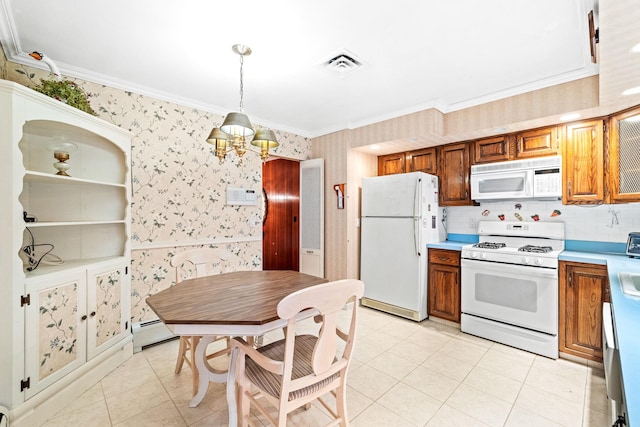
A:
x,y
539,178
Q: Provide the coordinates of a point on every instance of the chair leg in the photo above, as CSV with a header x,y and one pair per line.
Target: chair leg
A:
x,y
243,402
341,404
181,353
282,413
192,360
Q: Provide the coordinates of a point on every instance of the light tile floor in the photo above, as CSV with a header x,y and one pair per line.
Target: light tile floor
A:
x,y
403,374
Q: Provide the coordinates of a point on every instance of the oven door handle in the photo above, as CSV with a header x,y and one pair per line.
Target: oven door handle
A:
x,y
519,269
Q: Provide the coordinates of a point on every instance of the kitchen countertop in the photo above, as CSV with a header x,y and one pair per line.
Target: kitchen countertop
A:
x,y
626,317
447,244
455,242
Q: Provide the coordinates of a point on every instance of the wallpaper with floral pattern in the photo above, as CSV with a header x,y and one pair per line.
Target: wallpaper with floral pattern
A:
x,y
178,185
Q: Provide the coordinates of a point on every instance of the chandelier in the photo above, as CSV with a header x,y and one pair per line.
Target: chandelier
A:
x,y
236,129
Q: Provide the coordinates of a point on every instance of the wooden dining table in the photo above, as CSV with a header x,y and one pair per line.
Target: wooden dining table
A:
x,y
241,303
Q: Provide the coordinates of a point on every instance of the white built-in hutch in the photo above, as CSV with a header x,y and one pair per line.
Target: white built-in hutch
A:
x,y
64,317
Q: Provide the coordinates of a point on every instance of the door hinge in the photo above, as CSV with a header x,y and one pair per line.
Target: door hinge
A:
x,y
25,384
25,300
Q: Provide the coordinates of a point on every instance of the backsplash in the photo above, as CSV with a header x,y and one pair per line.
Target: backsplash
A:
x,y
601,223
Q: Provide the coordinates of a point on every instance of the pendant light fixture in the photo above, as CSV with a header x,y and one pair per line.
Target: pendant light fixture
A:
x,y
236,129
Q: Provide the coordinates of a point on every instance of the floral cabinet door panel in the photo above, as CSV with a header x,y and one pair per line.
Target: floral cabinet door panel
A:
x,y
55,323
107,306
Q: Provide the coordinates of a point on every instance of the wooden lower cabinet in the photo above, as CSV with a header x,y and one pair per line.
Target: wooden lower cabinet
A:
x,y
583,289
443,293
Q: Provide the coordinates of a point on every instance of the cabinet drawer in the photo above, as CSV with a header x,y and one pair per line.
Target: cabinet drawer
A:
x,y
444,256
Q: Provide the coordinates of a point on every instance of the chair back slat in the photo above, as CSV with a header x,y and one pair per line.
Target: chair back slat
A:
x,y
327,344
201,259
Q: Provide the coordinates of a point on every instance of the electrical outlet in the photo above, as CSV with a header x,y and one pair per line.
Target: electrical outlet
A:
x,y
473,223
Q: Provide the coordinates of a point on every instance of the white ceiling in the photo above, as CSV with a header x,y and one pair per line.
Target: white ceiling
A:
x,y
447,54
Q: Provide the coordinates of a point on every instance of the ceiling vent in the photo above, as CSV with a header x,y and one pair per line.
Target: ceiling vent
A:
x,y
343,63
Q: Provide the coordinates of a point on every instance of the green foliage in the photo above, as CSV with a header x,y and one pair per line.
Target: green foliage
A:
x,y
68,92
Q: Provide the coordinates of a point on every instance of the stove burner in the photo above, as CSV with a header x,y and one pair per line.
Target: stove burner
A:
x,y
536,249
489,245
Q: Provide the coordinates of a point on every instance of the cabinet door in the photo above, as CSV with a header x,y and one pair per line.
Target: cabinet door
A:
x,y
391,163
422,161
583,288
624,157
537,143
444,292
583,163
55,328
107,308
495,149
454,174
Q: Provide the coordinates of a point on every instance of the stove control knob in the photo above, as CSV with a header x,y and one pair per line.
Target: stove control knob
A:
x,y
483,256
473,255
538,261
525,260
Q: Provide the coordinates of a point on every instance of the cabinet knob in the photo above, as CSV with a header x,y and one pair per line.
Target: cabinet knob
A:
x,y
93,313
84,317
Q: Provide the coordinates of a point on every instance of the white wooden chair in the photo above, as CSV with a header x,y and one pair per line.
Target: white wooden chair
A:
x,y
296,370
201,259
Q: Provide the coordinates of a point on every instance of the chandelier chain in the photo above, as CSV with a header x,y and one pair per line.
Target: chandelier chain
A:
x,y
241,83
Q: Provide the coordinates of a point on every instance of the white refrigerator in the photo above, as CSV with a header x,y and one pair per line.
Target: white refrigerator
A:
x,y
400,215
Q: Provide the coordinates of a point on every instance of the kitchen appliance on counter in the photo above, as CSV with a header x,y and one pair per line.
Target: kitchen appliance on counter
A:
x,y
509,290
539,178
400,215
633,244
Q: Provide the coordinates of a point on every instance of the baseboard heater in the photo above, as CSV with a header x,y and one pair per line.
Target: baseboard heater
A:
x,y
150,333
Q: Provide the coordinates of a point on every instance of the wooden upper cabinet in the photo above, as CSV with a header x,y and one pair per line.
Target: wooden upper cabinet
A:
x,y
522,145
454,174
422,161
494,149
624,157
536,143
391,164
583,163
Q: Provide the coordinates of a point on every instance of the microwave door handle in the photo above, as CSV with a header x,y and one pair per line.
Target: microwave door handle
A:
x,y
530,180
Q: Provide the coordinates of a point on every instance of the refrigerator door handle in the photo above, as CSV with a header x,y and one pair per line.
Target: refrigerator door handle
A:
x,y
416,199
416,216
416,230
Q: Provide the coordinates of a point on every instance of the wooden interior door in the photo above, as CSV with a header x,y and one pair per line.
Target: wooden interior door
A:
x,y
280,229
